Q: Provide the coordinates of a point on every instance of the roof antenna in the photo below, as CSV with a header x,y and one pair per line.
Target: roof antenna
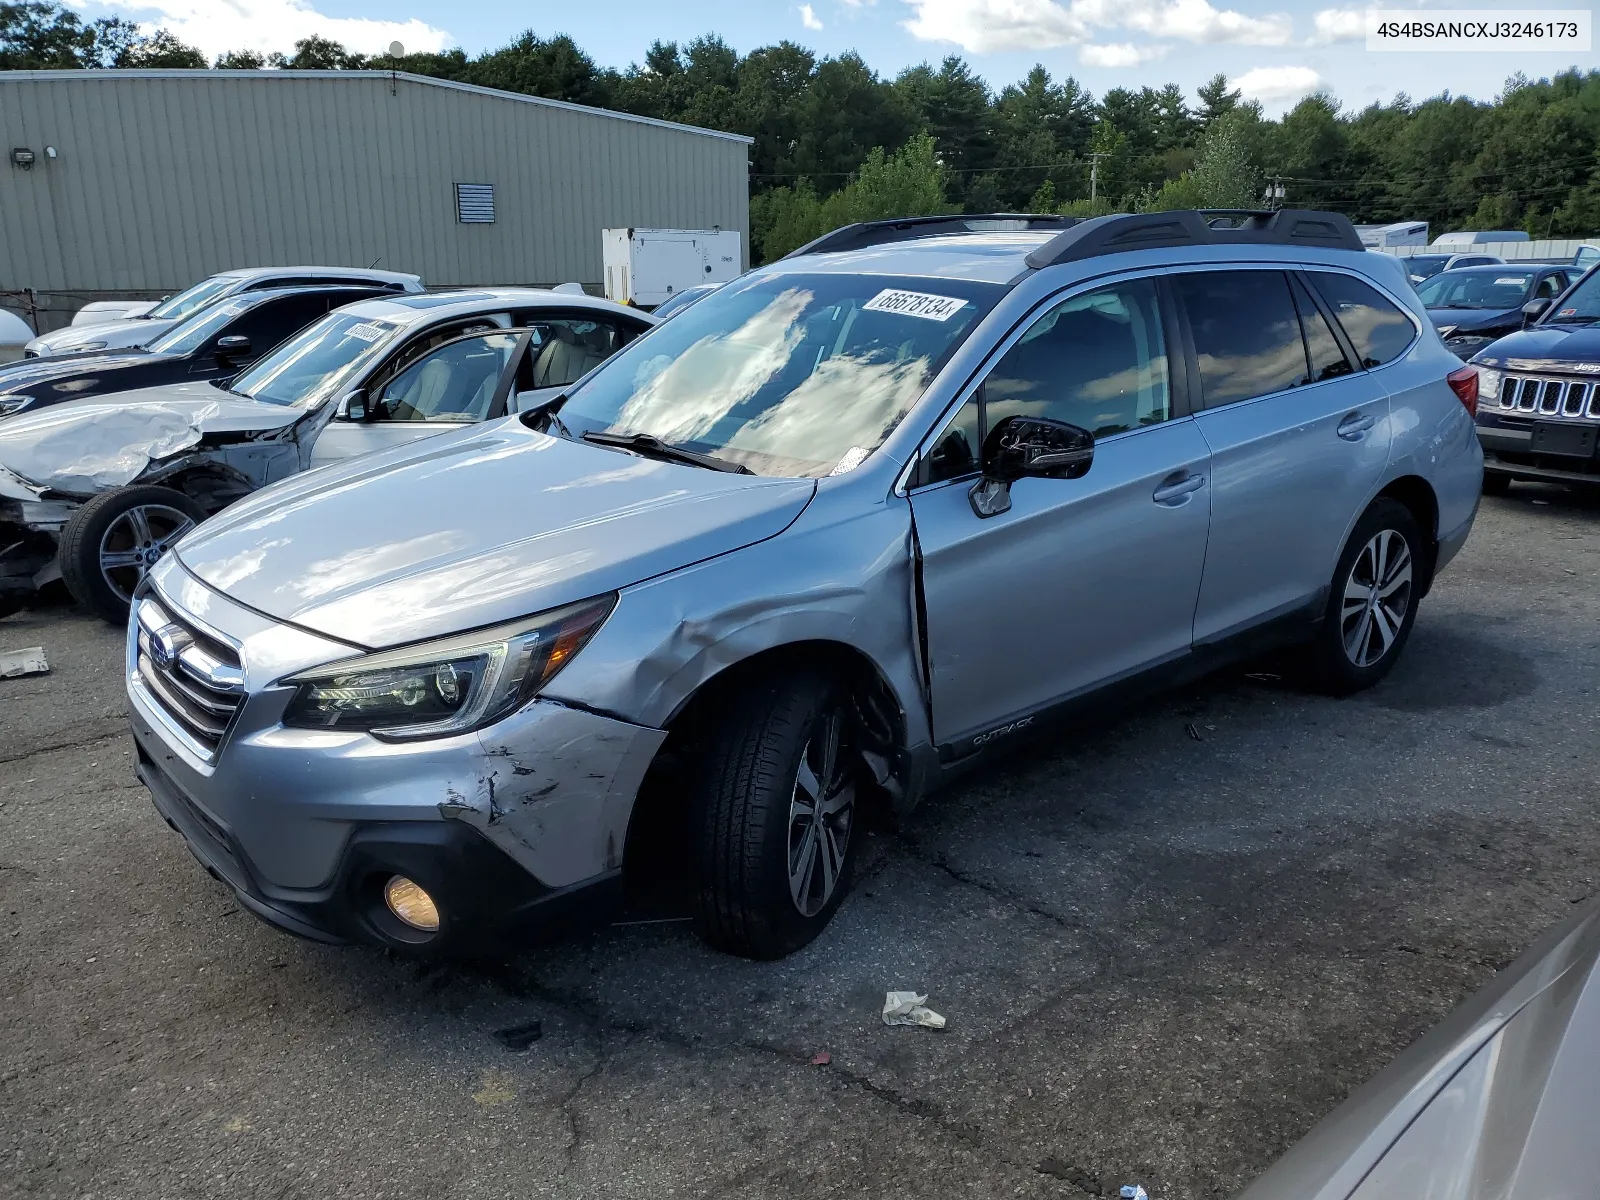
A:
x,y
375,262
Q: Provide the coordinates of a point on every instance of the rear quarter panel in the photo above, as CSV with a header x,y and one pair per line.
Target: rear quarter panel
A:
x,y
1434,436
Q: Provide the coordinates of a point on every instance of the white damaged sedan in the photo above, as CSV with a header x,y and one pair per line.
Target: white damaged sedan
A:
x,y
95,491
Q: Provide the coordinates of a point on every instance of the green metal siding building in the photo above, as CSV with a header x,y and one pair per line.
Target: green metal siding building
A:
x,y
142,182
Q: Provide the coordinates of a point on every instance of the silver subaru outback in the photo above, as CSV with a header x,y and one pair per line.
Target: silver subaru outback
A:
x,y
831,535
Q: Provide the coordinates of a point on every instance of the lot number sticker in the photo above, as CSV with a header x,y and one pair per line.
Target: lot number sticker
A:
x,y
367,332
915,304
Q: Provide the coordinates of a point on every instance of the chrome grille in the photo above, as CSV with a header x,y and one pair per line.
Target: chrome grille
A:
x,y
1578,399
196,679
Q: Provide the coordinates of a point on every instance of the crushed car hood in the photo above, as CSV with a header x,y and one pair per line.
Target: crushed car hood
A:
x,y
120,334
473,528
1540,346
1497,1102
86,446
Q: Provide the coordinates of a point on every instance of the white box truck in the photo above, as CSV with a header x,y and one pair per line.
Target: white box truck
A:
x,y
1400,233
645,266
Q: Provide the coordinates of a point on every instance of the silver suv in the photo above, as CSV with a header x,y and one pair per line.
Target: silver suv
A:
x,y
817,543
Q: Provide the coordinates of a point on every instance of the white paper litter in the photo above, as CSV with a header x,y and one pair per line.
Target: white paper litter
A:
x,y
28,661
908,1008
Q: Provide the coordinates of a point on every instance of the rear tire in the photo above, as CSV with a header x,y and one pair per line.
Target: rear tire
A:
x,y
1372,603
110,544
1496,485
772,815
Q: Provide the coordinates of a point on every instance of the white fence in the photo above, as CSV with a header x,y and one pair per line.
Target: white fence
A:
x,y
1562,249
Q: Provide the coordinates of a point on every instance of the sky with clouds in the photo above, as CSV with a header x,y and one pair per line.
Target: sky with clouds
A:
x,y
1276,52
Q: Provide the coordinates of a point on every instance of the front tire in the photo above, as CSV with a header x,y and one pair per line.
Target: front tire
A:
x,y
110,544
1373,601
773,816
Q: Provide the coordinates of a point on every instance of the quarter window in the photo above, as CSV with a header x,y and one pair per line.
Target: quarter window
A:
x,y
1378,330
955,453
1246,333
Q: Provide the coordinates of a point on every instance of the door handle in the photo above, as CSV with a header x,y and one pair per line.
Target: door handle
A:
x,y
1176,488
1355,425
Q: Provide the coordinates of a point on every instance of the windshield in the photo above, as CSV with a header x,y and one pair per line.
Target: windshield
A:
x,y
311,365
793,375
197,297
1476,289
1583,302
188,336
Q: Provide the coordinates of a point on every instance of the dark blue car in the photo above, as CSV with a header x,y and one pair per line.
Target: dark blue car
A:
x,y
1539,396
1472,306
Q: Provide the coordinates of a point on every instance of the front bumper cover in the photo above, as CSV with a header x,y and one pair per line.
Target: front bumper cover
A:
x,y
484,897
502,823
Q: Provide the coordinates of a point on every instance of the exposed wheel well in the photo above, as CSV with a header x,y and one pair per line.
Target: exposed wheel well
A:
x,y
1416,493
658,813
209,485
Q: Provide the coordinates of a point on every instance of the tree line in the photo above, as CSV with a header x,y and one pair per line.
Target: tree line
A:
x,y
834,141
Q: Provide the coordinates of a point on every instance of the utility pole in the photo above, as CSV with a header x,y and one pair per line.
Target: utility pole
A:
x,y
1275,193
1094,172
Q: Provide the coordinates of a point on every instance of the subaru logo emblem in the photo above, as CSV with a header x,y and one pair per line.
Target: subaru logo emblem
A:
x,y
167,643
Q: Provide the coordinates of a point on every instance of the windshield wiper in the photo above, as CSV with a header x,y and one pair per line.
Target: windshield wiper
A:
x,y
651,446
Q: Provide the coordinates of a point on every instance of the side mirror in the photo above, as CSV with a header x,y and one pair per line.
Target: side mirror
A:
x,y
1023,446
1534,309
233,347
353,407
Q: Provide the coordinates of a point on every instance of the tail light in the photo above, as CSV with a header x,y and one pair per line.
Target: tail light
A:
x,y
1463,382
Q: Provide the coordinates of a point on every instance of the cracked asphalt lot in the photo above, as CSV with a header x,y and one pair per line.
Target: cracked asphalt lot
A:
x,y
1163,954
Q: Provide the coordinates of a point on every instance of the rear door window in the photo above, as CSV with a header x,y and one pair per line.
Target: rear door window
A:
x,y
1324,358
268,324
567,348
1246,333
1378,330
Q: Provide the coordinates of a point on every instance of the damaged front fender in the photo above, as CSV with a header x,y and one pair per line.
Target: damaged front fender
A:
x,y
81,450
555,788
85,447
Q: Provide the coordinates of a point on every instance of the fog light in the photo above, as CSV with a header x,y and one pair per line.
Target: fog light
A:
x,y
411,904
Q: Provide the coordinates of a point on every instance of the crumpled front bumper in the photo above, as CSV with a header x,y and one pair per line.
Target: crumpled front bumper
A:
x,y
499,825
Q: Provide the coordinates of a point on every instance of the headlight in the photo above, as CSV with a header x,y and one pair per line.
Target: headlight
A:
x,y
1489,383
449,686
13,404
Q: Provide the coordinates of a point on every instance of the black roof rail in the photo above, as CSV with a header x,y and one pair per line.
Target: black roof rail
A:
x,y
901,229
1198,227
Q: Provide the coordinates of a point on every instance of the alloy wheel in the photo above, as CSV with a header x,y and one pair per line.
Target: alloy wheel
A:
x,y
135,542
1377,596
820,815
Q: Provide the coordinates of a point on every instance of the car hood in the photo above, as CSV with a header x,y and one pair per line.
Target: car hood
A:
x,y
1473,320
82,447
473,528
1542,347
1498,1101
36,374
115,334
